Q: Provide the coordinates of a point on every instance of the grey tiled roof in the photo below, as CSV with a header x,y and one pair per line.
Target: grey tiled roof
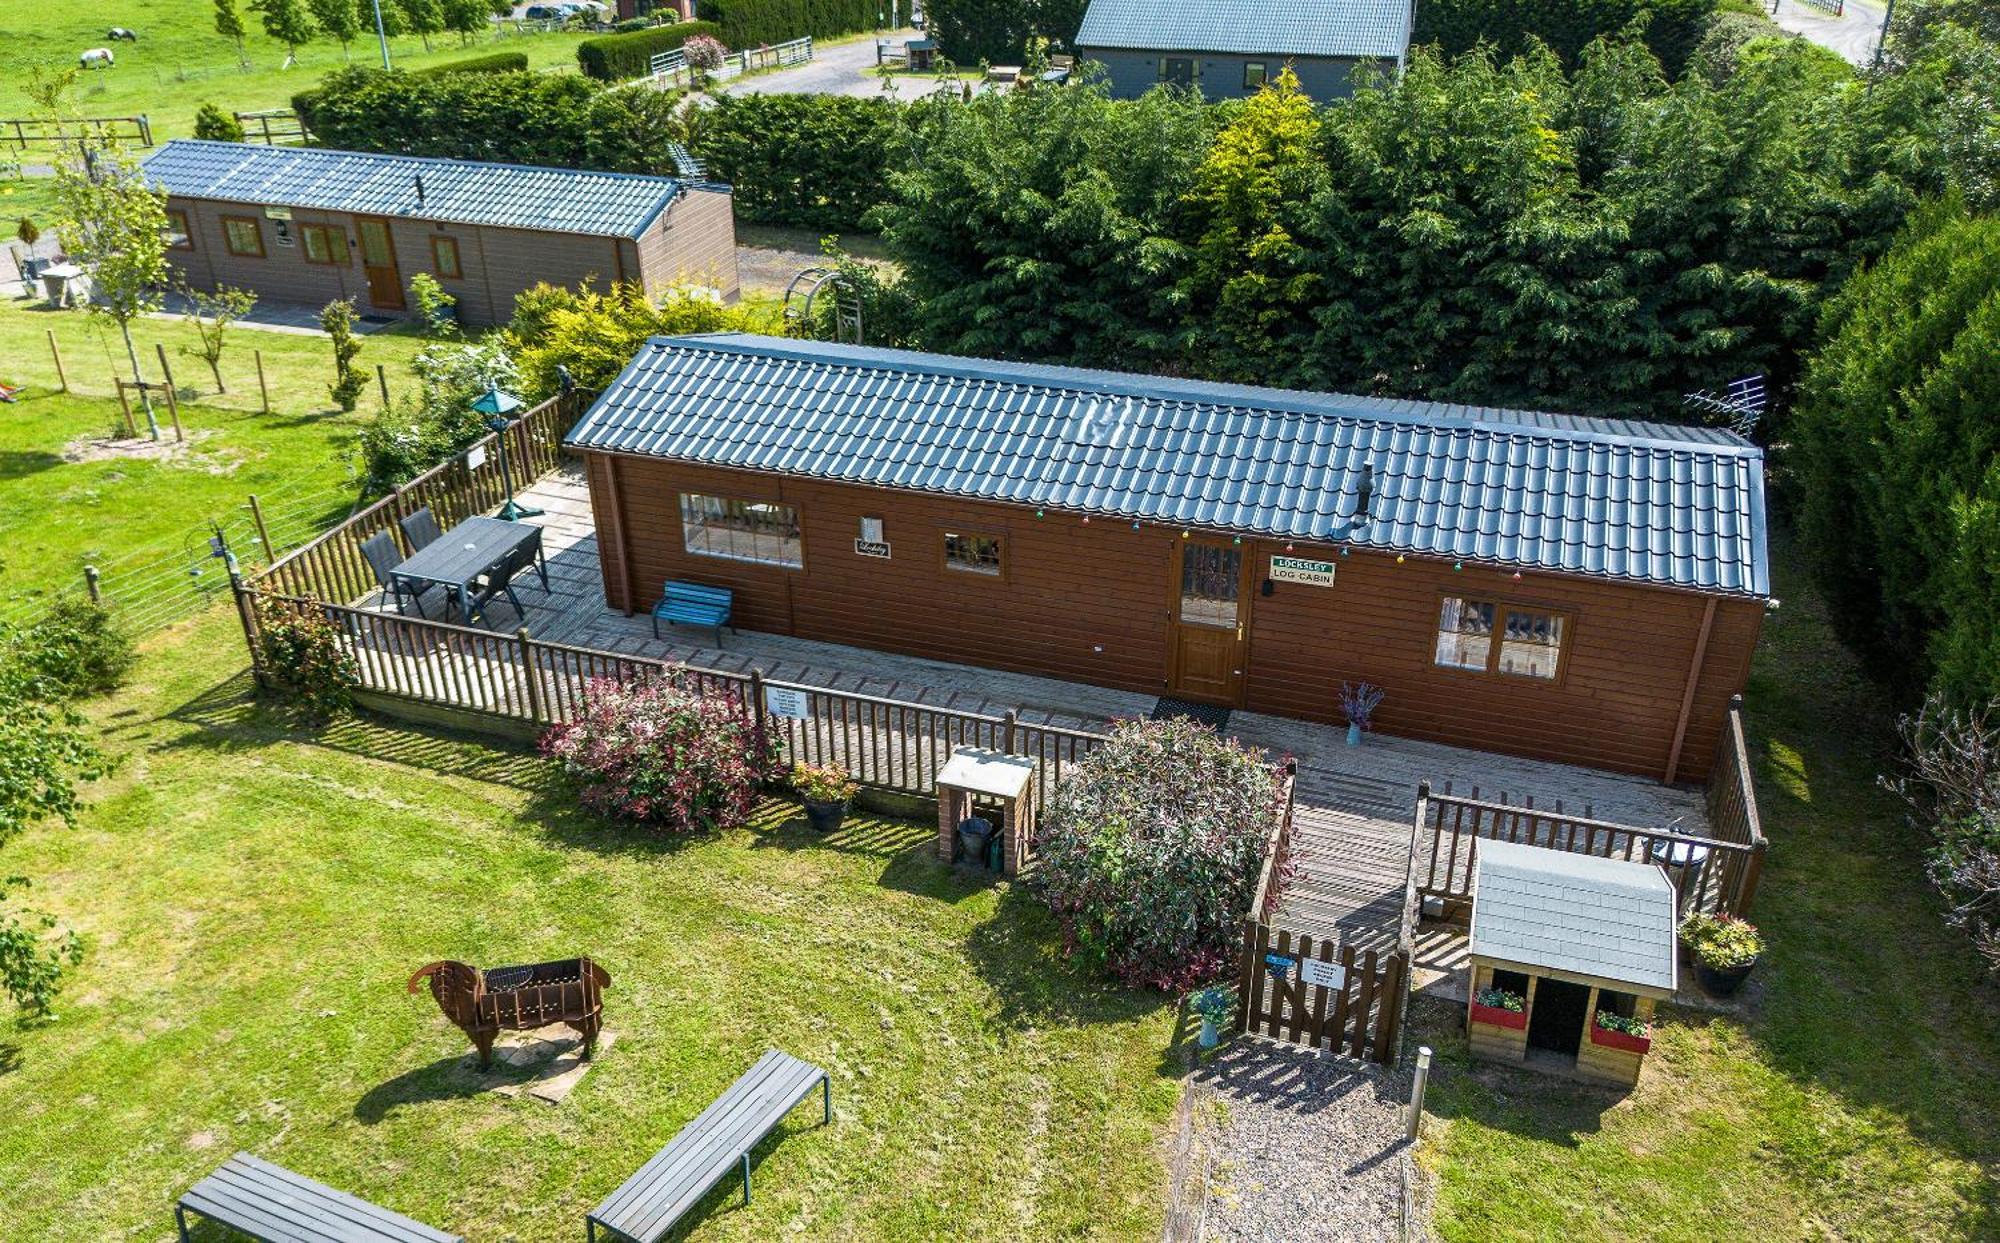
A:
x,y
1573,913
1358,28
512,196
1642,502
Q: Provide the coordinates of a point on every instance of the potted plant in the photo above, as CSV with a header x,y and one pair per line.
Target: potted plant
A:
x,y
1725,948
1500,1007
1617,1031
825,789
1215,1005
1359,702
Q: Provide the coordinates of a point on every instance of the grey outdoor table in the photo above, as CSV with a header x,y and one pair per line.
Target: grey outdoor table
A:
x,y
468,550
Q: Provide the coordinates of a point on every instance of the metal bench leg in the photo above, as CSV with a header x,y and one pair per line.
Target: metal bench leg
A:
x,y
590,1230
826,1099
746,1180
181,1220
656,625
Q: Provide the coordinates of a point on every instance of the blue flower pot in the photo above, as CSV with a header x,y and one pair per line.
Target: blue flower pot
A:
x,y
1354,733
1209,1036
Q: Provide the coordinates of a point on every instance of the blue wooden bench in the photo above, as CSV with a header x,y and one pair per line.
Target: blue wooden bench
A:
x,y
717,1141
271,1203
695,604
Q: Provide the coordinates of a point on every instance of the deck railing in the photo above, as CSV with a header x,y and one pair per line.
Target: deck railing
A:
x,y
1732,812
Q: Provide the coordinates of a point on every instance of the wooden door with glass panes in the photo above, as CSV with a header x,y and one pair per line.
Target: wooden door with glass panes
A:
x,y
378,261
1210,618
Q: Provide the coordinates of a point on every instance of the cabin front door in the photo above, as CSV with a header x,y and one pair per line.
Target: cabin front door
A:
x,y
378,261
1209,618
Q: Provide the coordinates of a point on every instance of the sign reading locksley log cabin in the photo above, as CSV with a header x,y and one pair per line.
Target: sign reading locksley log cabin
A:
x,y
1300,570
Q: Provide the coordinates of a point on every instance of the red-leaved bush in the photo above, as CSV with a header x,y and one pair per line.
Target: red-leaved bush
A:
x,y
1149,852
657,754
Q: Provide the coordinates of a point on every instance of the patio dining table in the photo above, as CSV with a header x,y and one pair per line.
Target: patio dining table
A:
x,y
453,560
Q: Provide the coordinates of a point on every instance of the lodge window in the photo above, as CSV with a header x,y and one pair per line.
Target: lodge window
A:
x,y
444,257
179,236
972,554
1254,75
241,235
1488,636
757,531
324,244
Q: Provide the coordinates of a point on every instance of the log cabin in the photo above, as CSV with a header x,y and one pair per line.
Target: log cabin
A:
x,y
1546,585
311,225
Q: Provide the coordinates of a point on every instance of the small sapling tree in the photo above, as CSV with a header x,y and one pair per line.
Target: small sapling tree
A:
x,y
211,315
337,319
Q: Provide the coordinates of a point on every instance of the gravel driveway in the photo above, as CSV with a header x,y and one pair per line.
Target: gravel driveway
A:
x,y
835,69
1852,34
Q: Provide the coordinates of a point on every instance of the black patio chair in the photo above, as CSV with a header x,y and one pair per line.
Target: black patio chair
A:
x,y
420,528
380,552
499,581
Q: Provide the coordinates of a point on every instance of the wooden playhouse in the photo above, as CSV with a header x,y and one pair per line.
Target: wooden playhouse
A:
x,y
1584,945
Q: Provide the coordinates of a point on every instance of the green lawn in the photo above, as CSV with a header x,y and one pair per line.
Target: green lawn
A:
x,y
252,899
1860,1099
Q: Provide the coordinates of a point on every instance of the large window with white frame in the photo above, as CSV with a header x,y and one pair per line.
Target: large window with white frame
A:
x,y
1492,636
758,531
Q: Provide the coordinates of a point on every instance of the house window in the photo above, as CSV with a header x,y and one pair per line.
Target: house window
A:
x,y
179,236
324,244
1179,70
972,554
1254,75
1491,637
758,531
444,257
242,236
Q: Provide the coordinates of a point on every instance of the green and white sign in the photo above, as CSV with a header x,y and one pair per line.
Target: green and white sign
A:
x,y
1300,570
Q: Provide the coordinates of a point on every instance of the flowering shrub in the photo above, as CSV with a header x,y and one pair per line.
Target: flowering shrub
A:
x,y
823,783
657,754
1722,942
302,656
1500,999
1150,851
704,51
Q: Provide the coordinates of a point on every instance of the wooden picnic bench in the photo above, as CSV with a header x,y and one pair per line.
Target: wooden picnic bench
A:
x,y
271,1203
719,1138
696,604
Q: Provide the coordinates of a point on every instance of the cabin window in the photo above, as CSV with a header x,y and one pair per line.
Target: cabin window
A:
x,y
758,531
444,257
1254,75
242,236
972,554
1487,636
324,244
1179,70
179,236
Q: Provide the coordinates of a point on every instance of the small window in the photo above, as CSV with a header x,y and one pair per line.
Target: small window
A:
x,y
324,244
241,236
444,257
1529,643
1254,75
179,236
757,531
1515,982
972,554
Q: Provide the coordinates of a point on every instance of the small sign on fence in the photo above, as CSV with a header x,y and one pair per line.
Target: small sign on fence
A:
x,y
785,701
475,457
1325,974
1279,965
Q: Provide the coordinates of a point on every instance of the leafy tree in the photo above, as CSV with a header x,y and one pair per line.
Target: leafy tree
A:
x,y
338,19
214,124
527,118
33,953
28,231
210,315
336,319
809,161
288,22
1672,28
434,419
467,17
420,17
970,31
393,21
593,335
229,24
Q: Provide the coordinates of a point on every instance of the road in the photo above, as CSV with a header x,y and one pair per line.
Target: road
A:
x,y
835,69
1852,34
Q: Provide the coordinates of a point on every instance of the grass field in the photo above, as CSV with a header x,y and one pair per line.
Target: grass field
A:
x,y
253,898
1860,1098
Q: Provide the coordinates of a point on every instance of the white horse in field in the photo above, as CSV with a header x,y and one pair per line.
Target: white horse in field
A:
x,y
96,56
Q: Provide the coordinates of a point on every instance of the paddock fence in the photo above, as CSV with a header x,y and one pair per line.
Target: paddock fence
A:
x,y
670,70
274,127
41,134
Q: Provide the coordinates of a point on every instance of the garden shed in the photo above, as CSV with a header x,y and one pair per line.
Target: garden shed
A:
x,y
1582,945
1228,49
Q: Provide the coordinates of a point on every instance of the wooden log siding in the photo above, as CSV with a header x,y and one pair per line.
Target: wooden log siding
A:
x,y
331,567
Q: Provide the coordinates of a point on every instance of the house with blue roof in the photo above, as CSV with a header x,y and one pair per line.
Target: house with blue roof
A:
x,y
309,225
1230,48
1548,585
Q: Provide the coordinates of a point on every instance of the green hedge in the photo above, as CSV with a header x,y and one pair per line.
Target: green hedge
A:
x,y
1673,27
522,118
748,23
617,58
997,31
498,62
810,161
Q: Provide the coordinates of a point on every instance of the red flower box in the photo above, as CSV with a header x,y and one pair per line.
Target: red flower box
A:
x,y
1495,1016
1619,1040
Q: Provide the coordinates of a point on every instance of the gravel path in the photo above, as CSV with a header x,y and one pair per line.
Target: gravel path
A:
x,y
1853,34
1298,1147
835,69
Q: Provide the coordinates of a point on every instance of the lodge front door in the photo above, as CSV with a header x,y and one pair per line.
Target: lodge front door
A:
x,y
1210,605
378,260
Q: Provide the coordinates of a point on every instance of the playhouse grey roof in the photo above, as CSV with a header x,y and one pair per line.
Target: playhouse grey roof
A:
x,y
510,196
1639,502
1572,913
1357,28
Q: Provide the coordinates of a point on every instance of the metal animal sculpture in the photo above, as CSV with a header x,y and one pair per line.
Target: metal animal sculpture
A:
x,y
485,1003
96,56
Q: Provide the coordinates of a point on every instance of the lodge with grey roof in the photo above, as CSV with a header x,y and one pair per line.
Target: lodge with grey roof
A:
x,y
1562,587
308,225
1230,48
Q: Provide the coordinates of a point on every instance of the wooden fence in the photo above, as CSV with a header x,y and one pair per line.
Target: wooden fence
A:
x,y
273,127
1354,1005
1732,812
37,133
331,567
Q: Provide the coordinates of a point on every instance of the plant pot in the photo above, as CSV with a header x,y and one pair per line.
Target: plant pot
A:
x,y
1354,733
1721,981
1619,1040
1209,1036
1497,1016
825,817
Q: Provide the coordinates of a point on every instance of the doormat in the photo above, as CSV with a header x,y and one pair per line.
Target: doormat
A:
x,y
1211,715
